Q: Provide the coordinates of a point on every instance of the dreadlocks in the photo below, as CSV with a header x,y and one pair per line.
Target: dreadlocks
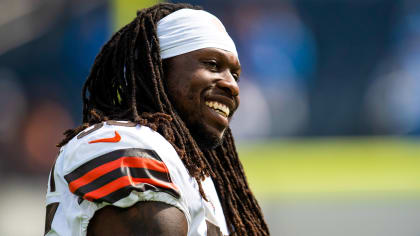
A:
x,y
126,83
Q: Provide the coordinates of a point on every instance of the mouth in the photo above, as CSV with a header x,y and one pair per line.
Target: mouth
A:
x,y
219,108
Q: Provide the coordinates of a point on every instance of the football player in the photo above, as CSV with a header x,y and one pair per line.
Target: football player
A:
x,y
154,154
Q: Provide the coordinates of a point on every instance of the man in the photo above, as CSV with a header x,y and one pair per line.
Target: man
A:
x,y
154,155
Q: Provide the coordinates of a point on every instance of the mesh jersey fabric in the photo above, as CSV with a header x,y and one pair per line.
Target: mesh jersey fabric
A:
x,y
119,163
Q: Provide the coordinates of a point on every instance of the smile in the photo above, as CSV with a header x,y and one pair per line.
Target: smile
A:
x,y
219,108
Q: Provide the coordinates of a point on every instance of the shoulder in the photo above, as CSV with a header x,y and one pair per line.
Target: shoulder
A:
x,y
115,164
105,162
111,139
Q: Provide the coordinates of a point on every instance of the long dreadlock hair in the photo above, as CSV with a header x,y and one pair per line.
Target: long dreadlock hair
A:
x,y
126,83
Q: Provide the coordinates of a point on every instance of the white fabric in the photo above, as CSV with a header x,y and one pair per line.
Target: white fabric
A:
x,y
187,30
72,218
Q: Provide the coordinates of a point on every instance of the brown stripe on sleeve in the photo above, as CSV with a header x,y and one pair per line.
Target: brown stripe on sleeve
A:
x,y
108,157
111,177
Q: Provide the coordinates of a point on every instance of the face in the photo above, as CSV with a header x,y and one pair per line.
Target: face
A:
x,y
203,87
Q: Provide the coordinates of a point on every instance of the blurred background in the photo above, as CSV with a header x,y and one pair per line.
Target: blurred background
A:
x,y
328,127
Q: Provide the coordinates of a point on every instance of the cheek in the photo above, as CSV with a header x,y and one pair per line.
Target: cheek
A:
x,y
176,92
191,96
193,88
177,95
182,100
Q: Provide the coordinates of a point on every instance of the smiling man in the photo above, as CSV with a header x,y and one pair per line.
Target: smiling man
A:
x,y
203,86
155,155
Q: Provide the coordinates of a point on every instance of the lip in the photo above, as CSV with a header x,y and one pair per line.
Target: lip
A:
x,y
230,103
220,121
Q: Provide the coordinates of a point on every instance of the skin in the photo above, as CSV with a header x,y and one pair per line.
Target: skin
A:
x,y
193,78
143,218
208,74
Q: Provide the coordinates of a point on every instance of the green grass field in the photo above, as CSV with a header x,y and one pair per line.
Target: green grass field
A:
x,y
124,11
333,166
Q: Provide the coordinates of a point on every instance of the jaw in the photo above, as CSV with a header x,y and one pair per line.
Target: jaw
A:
x,y
209,128
207,140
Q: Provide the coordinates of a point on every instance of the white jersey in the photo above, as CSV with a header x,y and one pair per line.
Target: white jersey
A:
x,y
120,164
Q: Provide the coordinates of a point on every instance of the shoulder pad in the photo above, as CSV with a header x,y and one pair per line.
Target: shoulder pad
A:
x,y
105,162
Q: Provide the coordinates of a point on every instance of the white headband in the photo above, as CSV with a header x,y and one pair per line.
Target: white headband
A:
x,y
187,30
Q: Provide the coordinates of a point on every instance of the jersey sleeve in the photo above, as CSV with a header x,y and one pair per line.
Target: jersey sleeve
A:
x,y
114,175
118,165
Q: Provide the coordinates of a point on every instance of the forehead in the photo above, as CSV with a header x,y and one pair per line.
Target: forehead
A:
x,y
217,53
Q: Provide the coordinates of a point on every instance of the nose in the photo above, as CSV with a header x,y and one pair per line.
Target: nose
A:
x,y
229,84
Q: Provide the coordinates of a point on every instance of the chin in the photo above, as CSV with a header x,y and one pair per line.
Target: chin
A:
x,y
206,140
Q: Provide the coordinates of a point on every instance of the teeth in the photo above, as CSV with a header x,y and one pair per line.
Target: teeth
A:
x,y
219,108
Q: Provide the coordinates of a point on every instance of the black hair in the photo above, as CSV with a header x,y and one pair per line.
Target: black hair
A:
x,y
126,82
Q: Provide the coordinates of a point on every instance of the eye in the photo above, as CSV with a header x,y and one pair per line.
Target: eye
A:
x,y
236,76
211,65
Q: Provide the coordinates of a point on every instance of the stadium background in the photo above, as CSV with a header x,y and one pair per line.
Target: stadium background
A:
x,y
329,123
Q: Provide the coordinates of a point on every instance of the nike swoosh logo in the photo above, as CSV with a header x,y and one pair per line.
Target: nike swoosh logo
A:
x,y
114,139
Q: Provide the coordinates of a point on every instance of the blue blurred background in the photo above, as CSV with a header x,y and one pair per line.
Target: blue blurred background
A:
x,y
330,106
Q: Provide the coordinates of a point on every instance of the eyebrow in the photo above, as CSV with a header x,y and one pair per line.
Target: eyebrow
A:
x,y
221,55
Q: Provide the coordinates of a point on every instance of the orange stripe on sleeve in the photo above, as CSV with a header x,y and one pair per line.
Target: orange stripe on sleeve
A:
x,y
123,182
136,162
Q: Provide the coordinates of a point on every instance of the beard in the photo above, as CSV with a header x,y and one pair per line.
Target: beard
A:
x,y
204,140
